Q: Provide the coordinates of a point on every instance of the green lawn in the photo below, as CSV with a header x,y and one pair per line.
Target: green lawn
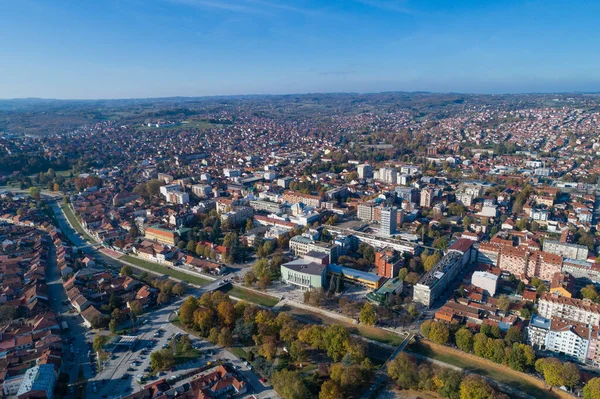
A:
x,y
184,357
155,267
498,373
239,352
379,335
75,223
250,296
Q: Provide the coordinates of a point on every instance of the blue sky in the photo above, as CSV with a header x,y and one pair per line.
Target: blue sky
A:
x,y
154,48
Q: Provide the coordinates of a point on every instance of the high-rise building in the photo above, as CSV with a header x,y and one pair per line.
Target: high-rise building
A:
x,y
387,223
426,197
388,175
365,171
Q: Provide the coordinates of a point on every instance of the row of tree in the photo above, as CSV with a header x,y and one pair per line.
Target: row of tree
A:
x,y
408,374
487,343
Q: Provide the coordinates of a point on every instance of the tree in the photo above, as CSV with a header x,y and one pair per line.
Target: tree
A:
x,y
438,332
153,187
117,315
213,336
178,289
114,301
590,292
592,389
269,348
426,328
356,348
403,370
250,278
451,380
136,308
464,339
367,314
313,335
331,390
570,374
264,282
481,345
297,351
226,312
513,335
162,298
503,303
35,192
475,387
336,338
347,377
431,260
441,243
113,326
162,360
127,270
551,369
225,337
249,224
289,384
187,309
191,246
99,342
204,320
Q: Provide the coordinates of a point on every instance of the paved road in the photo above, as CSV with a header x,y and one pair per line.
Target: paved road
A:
x,y
74,358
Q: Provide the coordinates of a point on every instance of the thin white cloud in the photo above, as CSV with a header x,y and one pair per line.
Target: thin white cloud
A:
x,y
400,6
285,7
219,5
263,7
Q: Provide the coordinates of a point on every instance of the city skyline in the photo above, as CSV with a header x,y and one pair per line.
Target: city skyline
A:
x,y
189,48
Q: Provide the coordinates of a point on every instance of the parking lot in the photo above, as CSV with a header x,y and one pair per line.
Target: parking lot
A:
x,y
118,375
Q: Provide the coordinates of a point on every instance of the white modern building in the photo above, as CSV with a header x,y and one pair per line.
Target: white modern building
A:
x,y
387,223
577,341
486,281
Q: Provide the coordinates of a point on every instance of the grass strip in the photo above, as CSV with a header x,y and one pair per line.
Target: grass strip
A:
x,y
155,267
487,368
75,223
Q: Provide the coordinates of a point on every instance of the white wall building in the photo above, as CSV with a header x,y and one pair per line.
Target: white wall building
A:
x,y
486,281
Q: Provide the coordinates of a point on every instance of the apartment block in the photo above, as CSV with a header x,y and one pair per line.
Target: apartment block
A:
x,y
566,250
578,310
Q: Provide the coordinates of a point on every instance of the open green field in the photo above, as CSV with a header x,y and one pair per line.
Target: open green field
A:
x,y
476,365
250,296
155,267
75,223
190,124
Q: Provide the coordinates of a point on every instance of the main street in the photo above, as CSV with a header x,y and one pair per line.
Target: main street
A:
x,y
75,352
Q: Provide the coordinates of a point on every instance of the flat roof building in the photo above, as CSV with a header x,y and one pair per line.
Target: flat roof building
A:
x,y
304,274
356,277
38,382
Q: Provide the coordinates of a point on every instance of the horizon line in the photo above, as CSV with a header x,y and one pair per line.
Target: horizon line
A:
x,y
305,94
